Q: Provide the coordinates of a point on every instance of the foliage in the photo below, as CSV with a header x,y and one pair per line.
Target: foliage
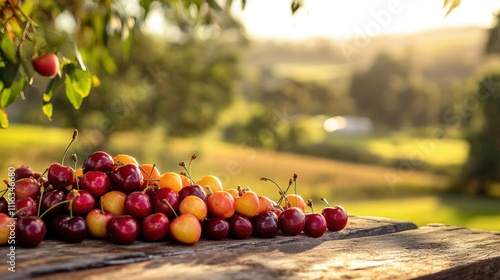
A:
x,y
81,33
483,165
391,93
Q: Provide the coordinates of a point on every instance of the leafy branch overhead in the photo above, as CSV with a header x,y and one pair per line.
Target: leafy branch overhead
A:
x,y
62,41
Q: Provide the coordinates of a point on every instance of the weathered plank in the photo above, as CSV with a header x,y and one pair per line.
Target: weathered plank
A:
x,y
53,256
427,253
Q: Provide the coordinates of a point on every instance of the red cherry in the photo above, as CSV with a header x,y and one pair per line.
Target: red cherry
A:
x,y
138,205
336,217
27,187
46,65
160,199
265,224
95,182
60,176
26,207
98,161
23,171
240,227
83,202
155,227
291,221
69,229
215,228
315,225
123,229
195,190
30,231
50,199
126,178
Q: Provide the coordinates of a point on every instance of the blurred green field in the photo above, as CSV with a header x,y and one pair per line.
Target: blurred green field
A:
x,y
364,190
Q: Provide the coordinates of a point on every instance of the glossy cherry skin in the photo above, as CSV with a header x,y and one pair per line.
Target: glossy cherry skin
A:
x,y
50,199
161,206
23,171
30,231
46,64
27,187
155,227
240,227
138,205
336,218
69,229
60,176
123,229
215,228
83,202
315,225
126,178
95,182
265,224
26,207
4,205
98,161
291,221
195,190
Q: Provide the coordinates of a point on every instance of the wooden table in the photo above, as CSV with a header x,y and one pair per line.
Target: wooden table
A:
x,y
368,248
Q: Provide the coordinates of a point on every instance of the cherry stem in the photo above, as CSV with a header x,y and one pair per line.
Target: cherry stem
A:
x,y
19,210
42,175
53,206
325,201
183,165
4,191
208,189
295,186
71,207
170,206
150,174
102,205
75,135
42,190
286,191
283,194
310,204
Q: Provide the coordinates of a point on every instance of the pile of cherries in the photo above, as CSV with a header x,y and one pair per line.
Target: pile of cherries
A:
x,y
120,200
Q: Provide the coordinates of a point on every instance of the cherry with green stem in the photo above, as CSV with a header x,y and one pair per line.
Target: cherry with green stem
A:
x,y
336,217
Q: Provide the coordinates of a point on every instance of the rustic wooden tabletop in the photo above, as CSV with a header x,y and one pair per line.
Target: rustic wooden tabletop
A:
x,y
368,248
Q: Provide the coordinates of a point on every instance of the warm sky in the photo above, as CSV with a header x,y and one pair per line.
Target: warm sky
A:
x,y
340,19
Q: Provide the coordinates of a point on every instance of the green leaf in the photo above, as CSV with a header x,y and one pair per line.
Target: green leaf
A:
x,y
81,82
54,83
8,95
4,120
47,109
8,48
8,73
243,4
27,7
74,97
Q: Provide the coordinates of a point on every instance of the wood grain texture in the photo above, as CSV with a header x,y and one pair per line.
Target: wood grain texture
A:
x,y
55,257
426,253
